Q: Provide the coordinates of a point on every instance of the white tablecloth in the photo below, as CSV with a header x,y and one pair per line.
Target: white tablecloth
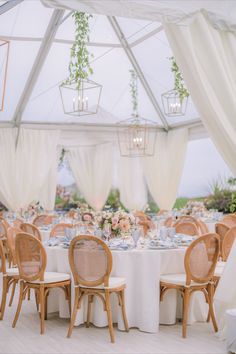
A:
x,y
142,270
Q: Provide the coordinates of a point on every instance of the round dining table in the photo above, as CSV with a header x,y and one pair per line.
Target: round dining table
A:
x,y
142,269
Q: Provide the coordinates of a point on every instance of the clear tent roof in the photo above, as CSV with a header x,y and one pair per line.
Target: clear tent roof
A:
x,y
25,26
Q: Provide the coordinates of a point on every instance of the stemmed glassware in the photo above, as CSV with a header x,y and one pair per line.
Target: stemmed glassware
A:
x,y
136,234
107,231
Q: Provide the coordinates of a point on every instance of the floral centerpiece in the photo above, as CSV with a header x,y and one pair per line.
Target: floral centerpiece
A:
x,y
119,221
194,207
33,209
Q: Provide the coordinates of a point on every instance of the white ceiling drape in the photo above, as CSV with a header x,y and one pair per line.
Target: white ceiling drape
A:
x,y
92,170
25,169
207,57
163,170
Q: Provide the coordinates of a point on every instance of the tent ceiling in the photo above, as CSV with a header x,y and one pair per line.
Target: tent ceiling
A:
x,y
41,39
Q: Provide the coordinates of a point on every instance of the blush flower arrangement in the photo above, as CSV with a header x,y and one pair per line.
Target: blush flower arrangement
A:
x,y
120,221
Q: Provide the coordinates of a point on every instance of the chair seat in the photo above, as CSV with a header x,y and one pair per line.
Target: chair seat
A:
x,y
218,271
178,279
114,282
52,277
220,264
11,272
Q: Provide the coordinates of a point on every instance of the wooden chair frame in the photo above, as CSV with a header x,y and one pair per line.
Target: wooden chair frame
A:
x,y
225,242
60,225
47,219
41,289
185,224
87,288
206,285
35,231
7,282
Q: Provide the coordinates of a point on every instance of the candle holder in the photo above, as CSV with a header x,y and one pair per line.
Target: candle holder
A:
x,y
80,98
173,104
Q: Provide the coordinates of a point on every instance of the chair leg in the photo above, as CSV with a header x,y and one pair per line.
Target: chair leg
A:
x,y
74,313
46,307
29,294
211,309
69,297
4,297
186,297
90,300
21,297
109,315
12,292
36,299
42,308
122,295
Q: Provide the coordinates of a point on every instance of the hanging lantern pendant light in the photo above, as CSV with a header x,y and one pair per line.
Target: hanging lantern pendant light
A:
x,y
136,135
80,96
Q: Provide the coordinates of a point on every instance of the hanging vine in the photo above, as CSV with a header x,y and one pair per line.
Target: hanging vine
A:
x,y
179,81
134,91
79,66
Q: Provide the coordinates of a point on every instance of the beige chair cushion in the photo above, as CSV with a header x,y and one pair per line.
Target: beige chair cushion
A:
x,y
177,279
114,282
52,277
220,264
12,272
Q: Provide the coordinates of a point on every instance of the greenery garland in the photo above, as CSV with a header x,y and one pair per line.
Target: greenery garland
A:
x,y
79,66
134,91
179,81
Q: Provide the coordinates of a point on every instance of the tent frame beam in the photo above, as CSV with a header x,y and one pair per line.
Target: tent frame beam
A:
x,y
46,44
137,68
9,5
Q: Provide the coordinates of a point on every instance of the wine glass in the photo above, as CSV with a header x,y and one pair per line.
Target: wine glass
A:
x,y
107,231
136,234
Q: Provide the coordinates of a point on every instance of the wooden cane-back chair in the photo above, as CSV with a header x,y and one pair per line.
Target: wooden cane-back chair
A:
x,y
203,227
10,277
144,221
169,221
17,223
32,230
221,230
227,243
43,220
91,264
187,228
229,220
11,236
60,229
200,262
32,260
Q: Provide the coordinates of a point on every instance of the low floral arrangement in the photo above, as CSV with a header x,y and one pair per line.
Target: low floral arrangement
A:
x,y
193,208
120,221
33,209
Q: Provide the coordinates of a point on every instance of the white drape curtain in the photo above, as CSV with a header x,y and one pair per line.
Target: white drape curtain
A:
x,y
163,170
25,169
132,186
206,57
92,170
47,194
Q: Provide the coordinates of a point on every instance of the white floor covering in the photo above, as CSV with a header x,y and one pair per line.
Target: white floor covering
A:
x,y
25,338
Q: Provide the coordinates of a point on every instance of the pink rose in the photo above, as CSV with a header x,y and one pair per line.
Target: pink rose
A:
x,y
87,217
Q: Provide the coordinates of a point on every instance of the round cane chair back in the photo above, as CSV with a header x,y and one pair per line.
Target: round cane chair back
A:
x,y
2,260
11,237
187,228
32,230
43,220
31,257
229,220
227,243
60,229
201,258
3,230
90,261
